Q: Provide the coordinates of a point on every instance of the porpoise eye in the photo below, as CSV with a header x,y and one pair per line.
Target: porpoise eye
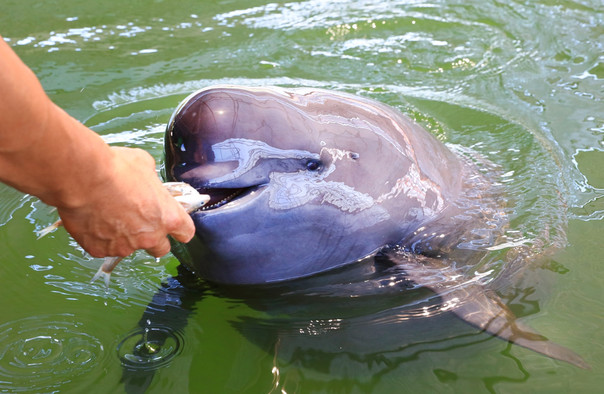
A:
x,y
313,165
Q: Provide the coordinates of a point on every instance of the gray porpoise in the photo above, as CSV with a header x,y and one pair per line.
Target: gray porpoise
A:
x,y
304,181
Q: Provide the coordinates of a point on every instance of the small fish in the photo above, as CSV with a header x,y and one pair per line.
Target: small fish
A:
x,y
49,229
185,194
105,270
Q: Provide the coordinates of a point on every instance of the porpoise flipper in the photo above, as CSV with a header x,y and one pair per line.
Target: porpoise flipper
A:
x,y
477,305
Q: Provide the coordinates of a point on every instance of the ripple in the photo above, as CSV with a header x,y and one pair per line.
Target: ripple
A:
x,y
312,14
137,94
12,200
150,348
46,351
74,38
133,281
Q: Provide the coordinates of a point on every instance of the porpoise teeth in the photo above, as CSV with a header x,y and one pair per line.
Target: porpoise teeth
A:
x,y
221,202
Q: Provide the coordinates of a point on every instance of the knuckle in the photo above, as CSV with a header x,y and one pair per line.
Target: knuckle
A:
x,y
140,156
181,228
122,251
95,252
160,249
146,158
173,221
94,248
147,241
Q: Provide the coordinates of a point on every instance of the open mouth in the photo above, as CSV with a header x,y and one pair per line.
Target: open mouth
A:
x,y
220,197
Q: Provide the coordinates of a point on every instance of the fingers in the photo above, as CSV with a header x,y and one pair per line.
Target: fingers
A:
x,y
100,244
173,221
131,210
121,236
176,221
156,245
181,228
161,249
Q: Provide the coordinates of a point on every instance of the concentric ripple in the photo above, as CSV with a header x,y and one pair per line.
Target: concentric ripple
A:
x,y
149,348
42,352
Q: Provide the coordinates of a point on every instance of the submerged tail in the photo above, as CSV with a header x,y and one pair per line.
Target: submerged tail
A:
x,y
485,310
478,306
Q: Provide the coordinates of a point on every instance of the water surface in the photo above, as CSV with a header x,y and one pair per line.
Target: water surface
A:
x,y
519,82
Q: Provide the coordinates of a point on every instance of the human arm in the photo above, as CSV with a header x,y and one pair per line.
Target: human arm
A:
x,y
109,199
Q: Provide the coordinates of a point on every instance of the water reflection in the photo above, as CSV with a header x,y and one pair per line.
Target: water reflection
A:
x,y
332,340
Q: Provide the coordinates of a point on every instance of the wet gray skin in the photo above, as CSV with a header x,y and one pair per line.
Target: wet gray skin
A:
x,y
303,181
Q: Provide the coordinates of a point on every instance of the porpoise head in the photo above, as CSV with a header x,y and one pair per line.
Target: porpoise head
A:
x,y
301,180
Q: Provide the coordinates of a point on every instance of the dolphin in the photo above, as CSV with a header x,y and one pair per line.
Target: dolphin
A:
x,y
306,181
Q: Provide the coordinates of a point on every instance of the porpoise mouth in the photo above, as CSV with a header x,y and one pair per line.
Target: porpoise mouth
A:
x,y
222,196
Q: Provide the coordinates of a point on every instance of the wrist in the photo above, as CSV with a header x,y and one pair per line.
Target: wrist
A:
x,y
80,162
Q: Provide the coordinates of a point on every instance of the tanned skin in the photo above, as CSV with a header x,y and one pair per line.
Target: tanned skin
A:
x,y
110,199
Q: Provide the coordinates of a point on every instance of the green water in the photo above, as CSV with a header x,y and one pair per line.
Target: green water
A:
x,y
519,82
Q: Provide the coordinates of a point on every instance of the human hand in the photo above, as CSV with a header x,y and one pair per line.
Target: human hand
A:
x,y
109,199
129,210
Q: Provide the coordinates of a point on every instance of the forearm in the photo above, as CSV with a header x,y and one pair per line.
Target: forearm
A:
x,y
110,199
43,150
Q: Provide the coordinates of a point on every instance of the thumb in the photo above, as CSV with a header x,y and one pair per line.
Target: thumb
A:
x,y
180,225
